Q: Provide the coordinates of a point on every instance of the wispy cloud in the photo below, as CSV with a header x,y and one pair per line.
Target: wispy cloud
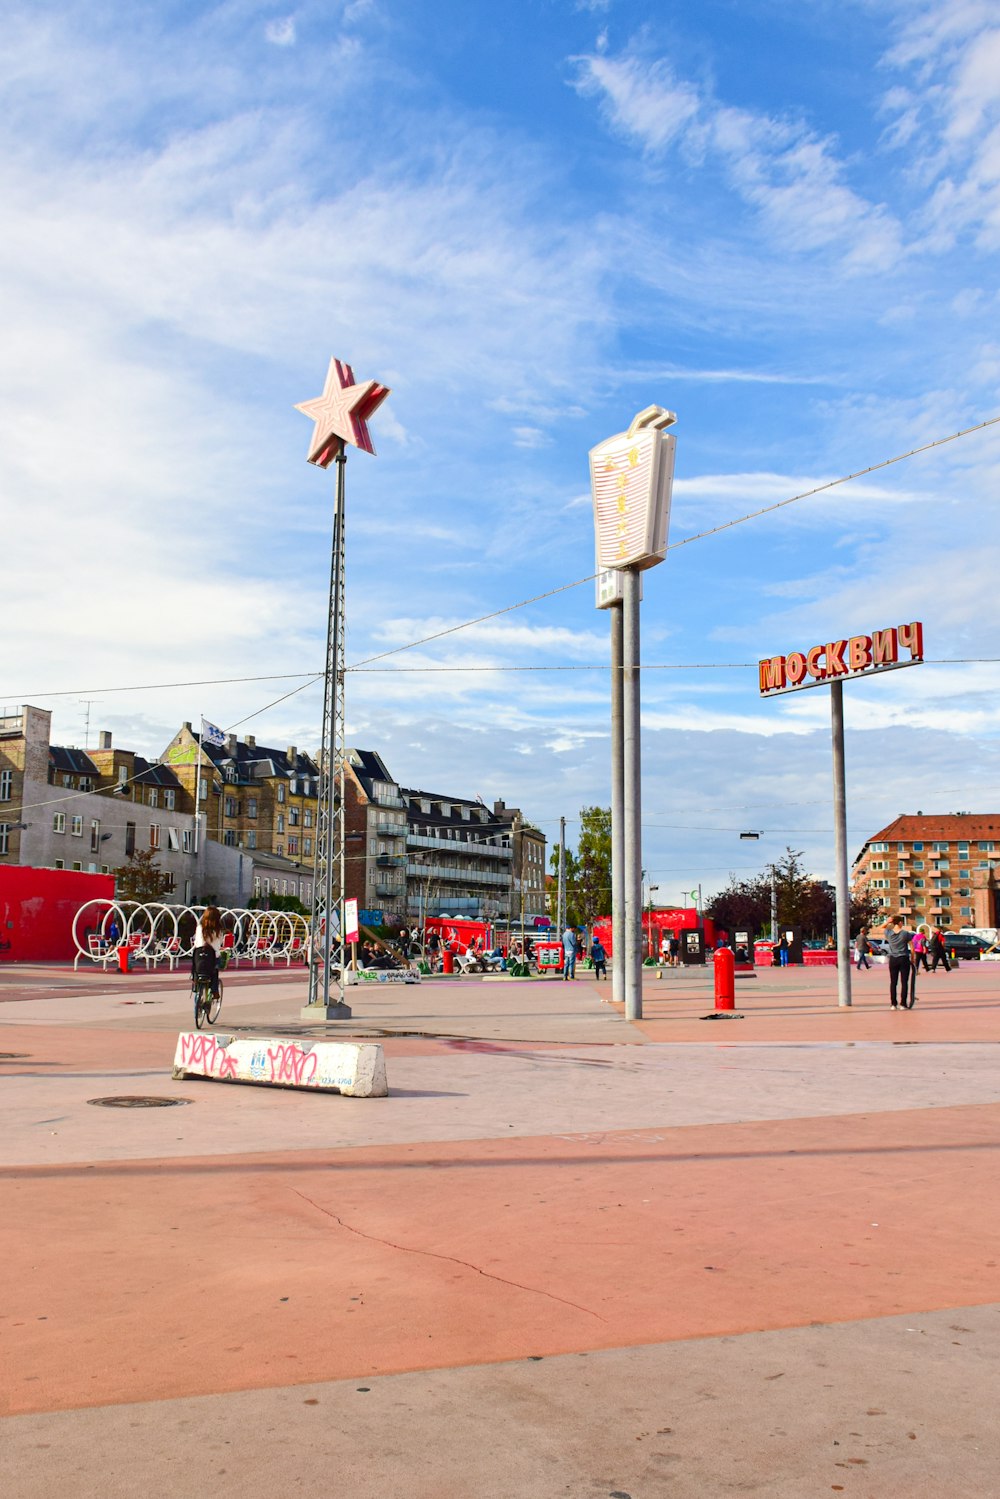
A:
x,y
282,32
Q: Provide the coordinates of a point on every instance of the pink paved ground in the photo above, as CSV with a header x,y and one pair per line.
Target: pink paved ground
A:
x,y
684,1183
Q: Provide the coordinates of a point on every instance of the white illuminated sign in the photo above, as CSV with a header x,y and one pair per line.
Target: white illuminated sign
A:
x,y
631,479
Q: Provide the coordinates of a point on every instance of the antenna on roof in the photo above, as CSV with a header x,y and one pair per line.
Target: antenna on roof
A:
x,y
87,703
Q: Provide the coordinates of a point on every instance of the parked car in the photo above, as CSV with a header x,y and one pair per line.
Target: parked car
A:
x,y
964,945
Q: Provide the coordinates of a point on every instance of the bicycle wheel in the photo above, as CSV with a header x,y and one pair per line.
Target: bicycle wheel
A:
x,y
202,995
213,1004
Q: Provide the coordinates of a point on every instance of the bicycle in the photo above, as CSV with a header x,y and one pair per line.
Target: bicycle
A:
x,y
206,1004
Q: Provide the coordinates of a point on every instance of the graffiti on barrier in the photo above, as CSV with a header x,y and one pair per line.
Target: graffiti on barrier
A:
x,y
205,1053
290,1064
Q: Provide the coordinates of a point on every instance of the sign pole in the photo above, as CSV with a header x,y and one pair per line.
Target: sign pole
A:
x,y
840,846
633,795
617,807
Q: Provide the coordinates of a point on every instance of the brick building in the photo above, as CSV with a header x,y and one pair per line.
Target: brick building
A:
x,y
934,868
413,853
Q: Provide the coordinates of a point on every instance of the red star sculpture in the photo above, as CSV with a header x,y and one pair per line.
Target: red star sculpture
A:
x,y
341,413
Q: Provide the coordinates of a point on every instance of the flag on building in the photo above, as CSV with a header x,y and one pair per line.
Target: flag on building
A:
x,y
212,734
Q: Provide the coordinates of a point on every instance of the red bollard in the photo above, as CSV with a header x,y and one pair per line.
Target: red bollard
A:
x,y
725,979
124,958
447,961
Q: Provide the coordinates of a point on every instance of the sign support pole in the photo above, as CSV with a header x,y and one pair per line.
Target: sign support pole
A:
x,y
617,807
840,847
632,779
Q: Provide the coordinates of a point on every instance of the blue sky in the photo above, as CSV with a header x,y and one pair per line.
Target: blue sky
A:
x,y
780,220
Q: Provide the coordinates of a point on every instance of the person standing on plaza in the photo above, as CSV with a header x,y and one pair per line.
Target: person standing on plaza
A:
x,y
599,958
783,951
569,953
939,953
862,949
918,952
898,941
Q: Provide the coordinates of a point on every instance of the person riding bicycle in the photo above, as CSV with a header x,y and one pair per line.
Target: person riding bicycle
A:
x,y
208,942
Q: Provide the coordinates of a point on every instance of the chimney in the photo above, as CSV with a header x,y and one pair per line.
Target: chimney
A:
x,y
104,739
292,752
189,728
231,744
499,807
251,742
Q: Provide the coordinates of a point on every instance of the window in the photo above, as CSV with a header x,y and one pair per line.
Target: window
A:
x,y
229,838
372,846
918,864
252,838
59,822
945,900
901,849
86,784
281,822
154,835
232,806
153,798
307,846
985,848
187,841
251,806
918,848
256,886
962,843
880,848
77,866
173,842
918,884
281,793
963,853
4,837
966,910
293,847
123,775
6,781
279,849
293,817
95,836
284,887
940,848
129,839
169,800
59,863
204,790
307,818
76,827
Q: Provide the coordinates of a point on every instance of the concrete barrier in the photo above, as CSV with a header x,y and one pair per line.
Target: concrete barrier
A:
x,y
355,1068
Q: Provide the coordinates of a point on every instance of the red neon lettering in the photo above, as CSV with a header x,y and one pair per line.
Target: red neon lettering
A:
x,y
859,652
813,666
772,673
835,658
912,637
884,648
795,668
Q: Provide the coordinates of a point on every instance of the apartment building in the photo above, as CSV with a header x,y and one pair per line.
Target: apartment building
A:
x,y
413,853
936,868
253,797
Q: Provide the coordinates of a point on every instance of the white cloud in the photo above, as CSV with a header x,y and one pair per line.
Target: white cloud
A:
x,y
282,32
531,437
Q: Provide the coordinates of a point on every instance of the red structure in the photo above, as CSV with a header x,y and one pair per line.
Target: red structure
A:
x,y
657,922
37,907
461,935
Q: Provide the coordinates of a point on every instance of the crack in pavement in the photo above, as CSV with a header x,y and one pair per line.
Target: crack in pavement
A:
x,y
452,1259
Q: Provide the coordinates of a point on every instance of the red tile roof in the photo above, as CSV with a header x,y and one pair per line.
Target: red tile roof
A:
x,y
944,827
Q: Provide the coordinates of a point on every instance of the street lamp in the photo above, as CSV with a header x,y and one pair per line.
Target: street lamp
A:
x,y
649,913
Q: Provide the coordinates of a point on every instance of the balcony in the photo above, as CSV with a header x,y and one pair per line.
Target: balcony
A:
x,y
388,830
390,861
456,846
384,887
459,876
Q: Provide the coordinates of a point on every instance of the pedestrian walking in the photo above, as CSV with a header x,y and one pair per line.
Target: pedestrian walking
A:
x,y
918,952
862,948
898,941
783,951
599,958
675,952
939,953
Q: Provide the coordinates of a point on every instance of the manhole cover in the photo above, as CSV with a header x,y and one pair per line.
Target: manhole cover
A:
x,y
135,1101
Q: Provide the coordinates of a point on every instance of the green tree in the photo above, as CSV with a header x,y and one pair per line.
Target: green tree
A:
x,y
142,878
743,904
588,870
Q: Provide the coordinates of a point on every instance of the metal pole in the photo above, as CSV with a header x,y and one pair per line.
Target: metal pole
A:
x,y
330,807
561,881
197,804
633,796
774,905
840,846
617,810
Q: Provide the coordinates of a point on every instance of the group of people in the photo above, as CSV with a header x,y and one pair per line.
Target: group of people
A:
x,y
573,949
908,951
670,950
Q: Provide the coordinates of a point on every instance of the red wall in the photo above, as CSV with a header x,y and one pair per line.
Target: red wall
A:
x,y
37,907
661,921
